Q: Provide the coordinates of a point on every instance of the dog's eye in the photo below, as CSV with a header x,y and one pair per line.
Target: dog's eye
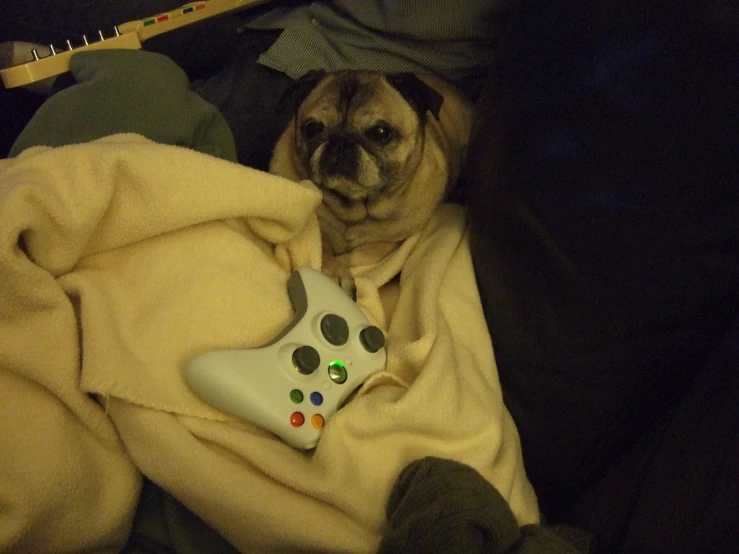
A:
x,y
381,133
311,128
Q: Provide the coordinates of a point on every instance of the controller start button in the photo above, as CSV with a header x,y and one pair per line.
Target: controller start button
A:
x,y
297,419
337,372
317,421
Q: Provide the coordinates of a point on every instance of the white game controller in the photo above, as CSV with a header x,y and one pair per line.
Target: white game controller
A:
x,y
293,385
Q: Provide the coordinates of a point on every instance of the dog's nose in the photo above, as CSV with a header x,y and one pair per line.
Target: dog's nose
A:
x,y
340,157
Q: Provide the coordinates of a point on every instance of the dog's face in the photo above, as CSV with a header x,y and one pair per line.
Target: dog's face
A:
x,y
361,137
357,138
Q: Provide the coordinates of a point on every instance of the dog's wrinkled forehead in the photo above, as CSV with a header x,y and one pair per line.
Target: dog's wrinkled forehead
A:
x,y
344,95
350,90
345,89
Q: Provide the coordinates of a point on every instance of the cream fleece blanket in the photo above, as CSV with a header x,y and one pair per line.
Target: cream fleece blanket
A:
x,y
120,260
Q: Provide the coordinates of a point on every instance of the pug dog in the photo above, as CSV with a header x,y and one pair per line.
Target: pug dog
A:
x,y
384,149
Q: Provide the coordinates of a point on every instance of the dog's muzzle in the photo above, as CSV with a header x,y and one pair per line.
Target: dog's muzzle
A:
x,y
340,157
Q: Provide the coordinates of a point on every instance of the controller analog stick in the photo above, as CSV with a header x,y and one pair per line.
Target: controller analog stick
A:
x,y
335,329
306,359
372,339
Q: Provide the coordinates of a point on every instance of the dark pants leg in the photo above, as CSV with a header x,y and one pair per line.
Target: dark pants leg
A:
x,y
248,95
213,49
46,22
605,216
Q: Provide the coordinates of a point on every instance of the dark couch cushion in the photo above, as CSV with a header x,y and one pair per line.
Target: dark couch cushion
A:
x,y
605,213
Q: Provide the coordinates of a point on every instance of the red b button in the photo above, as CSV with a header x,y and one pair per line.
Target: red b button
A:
x,y
297,419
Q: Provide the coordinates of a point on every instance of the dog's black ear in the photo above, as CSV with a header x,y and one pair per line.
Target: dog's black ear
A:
x,y
418,94
298,90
